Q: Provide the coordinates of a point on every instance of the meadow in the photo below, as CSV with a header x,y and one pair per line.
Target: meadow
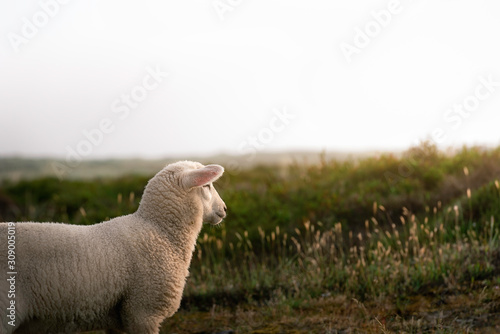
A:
x,y
383,244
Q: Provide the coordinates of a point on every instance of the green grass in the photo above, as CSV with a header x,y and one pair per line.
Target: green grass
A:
x,y
405,259
378,231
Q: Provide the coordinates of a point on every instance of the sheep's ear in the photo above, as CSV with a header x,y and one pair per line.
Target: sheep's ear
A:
x,y
202,176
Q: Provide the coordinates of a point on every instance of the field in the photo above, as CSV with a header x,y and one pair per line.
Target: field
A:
x,y
385,244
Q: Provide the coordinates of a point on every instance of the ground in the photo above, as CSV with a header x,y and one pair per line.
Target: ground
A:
x,y
477,311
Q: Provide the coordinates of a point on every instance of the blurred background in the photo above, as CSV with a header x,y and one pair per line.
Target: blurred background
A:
x,y
360,141
357,77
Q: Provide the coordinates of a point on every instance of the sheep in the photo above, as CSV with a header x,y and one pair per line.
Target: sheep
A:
x,y
123,275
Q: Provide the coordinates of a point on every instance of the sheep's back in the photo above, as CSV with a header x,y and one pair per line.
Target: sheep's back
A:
x,y
67,273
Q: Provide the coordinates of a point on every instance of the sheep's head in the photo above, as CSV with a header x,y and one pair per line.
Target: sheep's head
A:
x,y
184,189
199,182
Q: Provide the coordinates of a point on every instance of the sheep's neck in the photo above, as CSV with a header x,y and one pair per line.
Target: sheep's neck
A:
x,y
178,223
181,233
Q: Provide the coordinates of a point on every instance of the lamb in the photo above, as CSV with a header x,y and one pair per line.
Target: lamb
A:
x,y
124,275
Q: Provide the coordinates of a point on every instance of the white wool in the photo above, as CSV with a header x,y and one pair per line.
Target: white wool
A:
x,y
126,274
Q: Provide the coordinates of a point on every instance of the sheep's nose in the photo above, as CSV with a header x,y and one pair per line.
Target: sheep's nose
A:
x,y
221,213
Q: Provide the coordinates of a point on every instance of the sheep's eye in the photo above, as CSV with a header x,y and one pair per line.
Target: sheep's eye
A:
x,y
206,186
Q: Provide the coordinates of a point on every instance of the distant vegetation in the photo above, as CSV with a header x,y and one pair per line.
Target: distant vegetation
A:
x,y
17,168
378,228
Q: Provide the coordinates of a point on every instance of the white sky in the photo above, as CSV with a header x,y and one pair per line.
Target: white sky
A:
x,y
226,76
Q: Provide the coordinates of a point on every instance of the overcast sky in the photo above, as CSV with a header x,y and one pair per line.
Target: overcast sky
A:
x,y
107,79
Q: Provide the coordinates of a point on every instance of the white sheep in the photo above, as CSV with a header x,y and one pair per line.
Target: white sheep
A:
x,y
125,274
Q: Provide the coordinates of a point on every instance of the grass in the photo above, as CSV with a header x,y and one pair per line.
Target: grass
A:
x,y
379,245
384,259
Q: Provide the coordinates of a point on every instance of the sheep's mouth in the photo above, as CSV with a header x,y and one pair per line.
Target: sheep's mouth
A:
x,y
213,220
218,219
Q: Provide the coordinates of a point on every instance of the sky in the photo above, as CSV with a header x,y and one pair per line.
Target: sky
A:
x,y
152,79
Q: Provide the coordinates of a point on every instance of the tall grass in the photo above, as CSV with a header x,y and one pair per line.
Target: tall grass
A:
x,y
444,249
